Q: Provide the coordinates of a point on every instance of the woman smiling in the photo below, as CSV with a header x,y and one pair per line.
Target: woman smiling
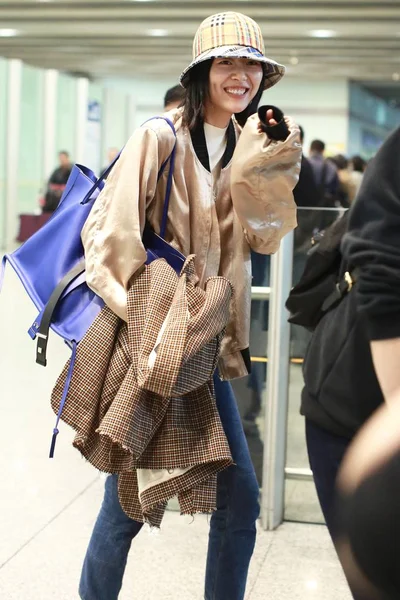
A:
x,y
232,192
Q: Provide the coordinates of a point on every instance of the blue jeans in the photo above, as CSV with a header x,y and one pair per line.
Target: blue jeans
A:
x,y
232,525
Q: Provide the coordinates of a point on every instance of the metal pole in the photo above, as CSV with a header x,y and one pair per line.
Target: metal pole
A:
x,y
12,149
275,430
130,116
49,113
82,97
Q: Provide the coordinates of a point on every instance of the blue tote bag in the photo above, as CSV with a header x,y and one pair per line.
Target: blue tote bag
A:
x,y
51,264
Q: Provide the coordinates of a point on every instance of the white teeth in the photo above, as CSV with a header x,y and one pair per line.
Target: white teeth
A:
x,y
237,91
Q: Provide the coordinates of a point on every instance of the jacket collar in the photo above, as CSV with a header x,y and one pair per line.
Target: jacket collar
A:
x,y
200,145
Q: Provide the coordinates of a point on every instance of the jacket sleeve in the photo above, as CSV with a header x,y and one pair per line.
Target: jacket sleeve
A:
x,y
264,173
372,245
112,234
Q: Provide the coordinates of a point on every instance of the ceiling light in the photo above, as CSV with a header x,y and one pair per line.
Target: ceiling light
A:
x,y
396,76
157,32
322,33
8,32
294,60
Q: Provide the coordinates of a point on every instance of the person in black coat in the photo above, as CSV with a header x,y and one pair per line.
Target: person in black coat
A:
x,y
370,481
57,182
341,390
306,192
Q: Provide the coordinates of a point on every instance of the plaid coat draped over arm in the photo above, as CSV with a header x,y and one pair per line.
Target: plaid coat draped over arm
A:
x,y
155,423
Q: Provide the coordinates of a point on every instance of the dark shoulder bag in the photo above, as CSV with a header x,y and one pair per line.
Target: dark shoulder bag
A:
x,y
325,279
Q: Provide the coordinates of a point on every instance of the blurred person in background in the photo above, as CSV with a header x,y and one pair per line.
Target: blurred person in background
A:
x,y
342,165
306,192
112,153
232,191
325,172
369,498
357,166
57,182
174,97
327,180
308,196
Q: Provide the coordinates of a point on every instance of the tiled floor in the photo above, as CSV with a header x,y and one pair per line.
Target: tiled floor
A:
x,y
48,507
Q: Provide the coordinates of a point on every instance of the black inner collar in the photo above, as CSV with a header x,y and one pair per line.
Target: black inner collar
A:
x,y
200,145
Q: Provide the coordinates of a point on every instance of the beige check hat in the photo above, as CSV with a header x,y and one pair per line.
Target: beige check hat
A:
x,y
232,35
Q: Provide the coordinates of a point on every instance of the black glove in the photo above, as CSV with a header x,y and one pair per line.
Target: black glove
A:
x,y
277,132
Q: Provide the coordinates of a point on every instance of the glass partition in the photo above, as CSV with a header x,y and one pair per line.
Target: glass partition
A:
x,y
270,411
250,392
31,140
301,502
65,115
115,127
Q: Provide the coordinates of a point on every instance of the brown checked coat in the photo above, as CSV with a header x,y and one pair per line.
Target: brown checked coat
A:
x,y
154,422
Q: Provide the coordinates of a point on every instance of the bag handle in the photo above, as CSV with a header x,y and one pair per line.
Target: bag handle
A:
x,y
42,332
100,180
171,158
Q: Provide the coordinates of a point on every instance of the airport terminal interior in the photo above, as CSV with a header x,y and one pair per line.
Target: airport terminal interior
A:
x,y
78,77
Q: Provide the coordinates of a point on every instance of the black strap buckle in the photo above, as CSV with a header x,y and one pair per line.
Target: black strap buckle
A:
x,y
41,348
341,289
349,280
43,332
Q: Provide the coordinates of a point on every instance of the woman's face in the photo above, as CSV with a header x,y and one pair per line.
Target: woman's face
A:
x,y
233,83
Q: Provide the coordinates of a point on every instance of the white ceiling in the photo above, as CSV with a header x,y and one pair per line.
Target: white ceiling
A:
x,y
153,38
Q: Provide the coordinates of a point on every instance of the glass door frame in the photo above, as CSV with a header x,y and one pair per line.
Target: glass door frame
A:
x,y
275,424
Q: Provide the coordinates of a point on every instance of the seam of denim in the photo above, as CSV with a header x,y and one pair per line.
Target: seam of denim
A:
x,y
81,596
222,543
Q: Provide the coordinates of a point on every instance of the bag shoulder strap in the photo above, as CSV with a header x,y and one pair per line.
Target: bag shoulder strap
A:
x,y
170,159
48,312
42,331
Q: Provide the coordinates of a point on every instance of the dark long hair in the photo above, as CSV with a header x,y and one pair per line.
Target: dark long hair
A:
x,y
197,91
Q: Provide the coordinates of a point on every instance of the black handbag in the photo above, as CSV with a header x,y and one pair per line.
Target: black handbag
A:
x,y
325,280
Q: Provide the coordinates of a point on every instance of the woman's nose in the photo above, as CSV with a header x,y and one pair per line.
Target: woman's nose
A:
x,y
240,75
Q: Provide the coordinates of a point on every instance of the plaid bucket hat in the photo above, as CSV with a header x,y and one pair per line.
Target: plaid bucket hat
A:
x,y
233,35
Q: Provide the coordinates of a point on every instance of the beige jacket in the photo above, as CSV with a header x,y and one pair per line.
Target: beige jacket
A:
x,y
251,205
